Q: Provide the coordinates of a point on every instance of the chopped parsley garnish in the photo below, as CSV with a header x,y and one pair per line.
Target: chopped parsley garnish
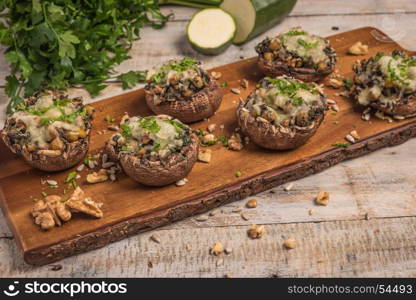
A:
x,y
290,88
179,66
347,83
126,130
179,127
223,140
307,45
71,176
109,119
295,32
341,145
149,124
224,84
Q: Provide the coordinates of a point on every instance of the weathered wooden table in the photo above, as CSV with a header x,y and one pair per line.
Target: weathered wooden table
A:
x,y
368,229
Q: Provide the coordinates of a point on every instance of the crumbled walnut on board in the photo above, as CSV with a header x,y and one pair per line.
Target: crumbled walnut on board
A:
x,y
235,142
79,203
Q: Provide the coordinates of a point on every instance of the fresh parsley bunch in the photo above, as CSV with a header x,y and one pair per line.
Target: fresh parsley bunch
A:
x,y
55,44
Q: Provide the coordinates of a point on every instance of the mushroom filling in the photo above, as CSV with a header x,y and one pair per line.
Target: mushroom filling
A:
x,y
298,49
152,138
176,79
47,121
385,79
285,101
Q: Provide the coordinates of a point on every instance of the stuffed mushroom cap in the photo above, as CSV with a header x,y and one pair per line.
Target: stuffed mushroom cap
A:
x,y
49,130
155,150
282,113
183,90
387,83
298,54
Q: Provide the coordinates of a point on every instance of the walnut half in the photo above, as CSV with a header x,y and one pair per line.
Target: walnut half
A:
x,y
50,212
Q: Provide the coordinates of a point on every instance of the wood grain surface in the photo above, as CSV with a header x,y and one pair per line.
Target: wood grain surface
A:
x,y
381,185
130,208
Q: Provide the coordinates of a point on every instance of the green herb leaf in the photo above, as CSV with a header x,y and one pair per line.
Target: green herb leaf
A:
x,y
126,130
341,145
71,176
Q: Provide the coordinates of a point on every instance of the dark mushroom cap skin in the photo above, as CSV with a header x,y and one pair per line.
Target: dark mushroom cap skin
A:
x,y
183,90
72,152
202,104
387,83
278,68
289,134
297,54
157,172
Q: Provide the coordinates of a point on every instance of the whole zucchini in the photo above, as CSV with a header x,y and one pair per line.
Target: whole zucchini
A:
x,y
254,17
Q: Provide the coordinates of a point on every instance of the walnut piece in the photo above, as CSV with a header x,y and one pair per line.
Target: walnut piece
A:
x,y
235,142
252,203
256,231
335,83
290,243
80,203
216,249
97,177
358,49
204,155
50,212
322,198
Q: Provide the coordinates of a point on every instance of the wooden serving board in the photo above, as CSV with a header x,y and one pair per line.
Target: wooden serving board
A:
x,y
130,208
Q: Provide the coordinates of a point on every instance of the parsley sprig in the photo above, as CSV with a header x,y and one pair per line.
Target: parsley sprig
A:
x,y
55,44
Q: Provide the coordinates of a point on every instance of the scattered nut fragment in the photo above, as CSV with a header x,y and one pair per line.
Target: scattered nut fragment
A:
x,y
219,262
228,275
204,155
235,91
322,198
56,267
188,247
335,83
201,218
330,101
335,107
181,182
244,83
252,203
216,75
355,135
256,231
211,127
228,250
288,187
213,212
155,238
358,49
209,138
216,249
113,128
80,203
80,167
350,139
237,210
235,143
290,243
51,182
311,212
245,216
97,177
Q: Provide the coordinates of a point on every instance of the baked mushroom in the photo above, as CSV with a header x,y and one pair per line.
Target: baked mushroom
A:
x,y
298,54
49,130
387,83
282,113
183,90
155,150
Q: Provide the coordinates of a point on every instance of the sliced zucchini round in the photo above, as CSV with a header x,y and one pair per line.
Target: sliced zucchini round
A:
x,y
254,17
211,31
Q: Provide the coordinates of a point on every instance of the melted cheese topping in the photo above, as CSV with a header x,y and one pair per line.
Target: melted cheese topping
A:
x,y
43,109
396,71
154,135
279,106
307,46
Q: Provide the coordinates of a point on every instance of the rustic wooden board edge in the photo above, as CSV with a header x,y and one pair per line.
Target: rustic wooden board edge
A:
x,y
202,203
